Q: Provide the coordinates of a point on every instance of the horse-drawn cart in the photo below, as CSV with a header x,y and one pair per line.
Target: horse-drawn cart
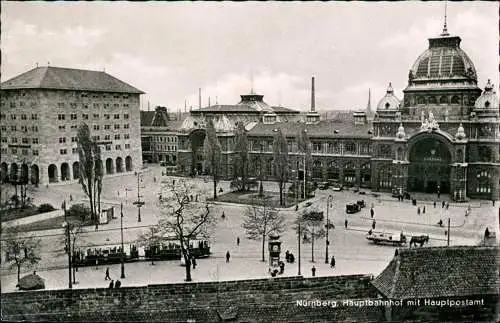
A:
x,y
387,239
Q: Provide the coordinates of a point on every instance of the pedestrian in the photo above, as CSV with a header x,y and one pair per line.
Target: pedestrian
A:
x,y
434,204
154,179
96,226
418,210
194,262
447,206
313,270
107,274
111,284
487,233
173,182
238,241
71,198
372,212
423,210
373,224
443,204
345,223
287,256
292,258
228,255
493,202
370,232
282,267
118,193
332,262
223,216
118,284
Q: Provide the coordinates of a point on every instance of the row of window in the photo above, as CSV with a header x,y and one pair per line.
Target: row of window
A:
x,y
166,139
166,147
23,116
107,148
24,151
23,128
23,140
62,105
62,140
317,147
85,116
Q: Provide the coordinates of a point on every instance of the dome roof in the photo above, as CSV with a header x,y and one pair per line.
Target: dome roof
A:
x,y
488,99
389,101
443,59
223,125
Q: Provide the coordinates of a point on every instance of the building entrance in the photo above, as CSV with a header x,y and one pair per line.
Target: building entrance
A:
x,y
429,169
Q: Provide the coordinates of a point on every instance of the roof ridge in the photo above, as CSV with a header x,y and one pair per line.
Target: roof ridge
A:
x,y
396,275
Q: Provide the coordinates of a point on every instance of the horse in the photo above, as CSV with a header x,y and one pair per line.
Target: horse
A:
x,y
419,239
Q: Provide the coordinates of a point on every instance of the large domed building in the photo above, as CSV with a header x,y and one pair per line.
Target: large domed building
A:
x,y
442,136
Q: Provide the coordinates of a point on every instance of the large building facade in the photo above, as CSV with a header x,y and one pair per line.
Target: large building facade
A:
x,y
443,136
42,110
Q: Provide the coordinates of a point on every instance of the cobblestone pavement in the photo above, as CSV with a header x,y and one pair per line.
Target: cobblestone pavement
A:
x,y
353,253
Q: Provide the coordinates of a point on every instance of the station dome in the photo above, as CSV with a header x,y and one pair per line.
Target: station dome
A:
x,y
443,59
389,101
488,99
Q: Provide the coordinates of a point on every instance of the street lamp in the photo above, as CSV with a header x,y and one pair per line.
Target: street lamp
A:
x,y
123,250
139,203
329,202
66,226
126,194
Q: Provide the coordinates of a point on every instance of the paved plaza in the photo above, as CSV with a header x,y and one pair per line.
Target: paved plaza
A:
x,y
353,253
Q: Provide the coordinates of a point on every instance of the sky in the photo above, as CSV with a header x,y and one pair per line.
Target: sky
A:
x,y
171,49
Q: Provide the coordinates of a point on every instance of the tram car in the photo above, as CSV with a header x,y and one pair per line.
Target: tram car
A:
x,y
106,254
169,248
387,239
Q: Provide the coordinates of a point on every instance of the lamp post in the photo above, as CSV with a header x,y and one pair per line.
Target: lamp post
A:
x,y
139,203
126,194
329,202
123,250
68,237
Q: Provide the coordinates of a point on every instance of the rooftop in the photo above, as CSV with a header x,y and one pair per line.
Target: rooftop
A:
x,y
50,77
441,272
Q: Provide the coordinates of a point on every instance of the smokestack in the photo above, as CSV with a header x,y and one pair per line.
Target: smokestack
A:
x,y
199,97
313,103
208,101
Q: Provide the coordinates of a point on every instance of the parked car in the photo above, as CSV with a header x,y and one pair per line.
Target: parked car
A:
x,y
361,203
352,208
336,187
323,185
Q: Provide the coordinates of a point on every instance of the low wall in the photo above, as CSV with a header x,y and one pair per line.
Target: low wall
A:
x,y
261,300
33,218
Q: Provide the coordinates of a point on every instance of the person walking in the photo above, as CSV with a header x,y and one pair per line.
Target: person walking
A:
x,y
434,204
332,262
313,270
71,198
443,204
118,284
223,216
372,212
111,284
193,261
447,206
418,210
228,255
107,277
238,241
287,256
345,223
373,224
423,210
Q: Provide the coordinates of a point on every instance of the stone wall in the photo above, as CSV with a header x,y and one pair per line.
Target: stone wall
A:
x,y
262,300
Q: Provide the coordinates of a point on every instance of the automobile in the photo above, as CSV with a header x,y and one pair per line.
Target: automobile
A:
x,y
323,185
361,203
336,187
352,208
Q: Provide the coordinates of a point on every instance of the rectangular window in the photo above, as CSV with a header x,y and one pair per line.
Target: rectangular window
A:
x,y
108,147
63,151
106,116
13,116
107,137
4,139
73,116
117,116
25,151
96,105
24,128
62,140
62,128
117,137
13,128
3,128
60,105
34,128
125,116
85,106
14,151
107,127
95,96
24,140
96,127
72,105
125,96
61,117
85,116
106,105
34,117
95,116
126,126
116,105
127,146
34,141
74,126
116,96
35,152
14,140
117,126
23,117
125,105
96,138
84,95
118,147
126,136
74,139
74,150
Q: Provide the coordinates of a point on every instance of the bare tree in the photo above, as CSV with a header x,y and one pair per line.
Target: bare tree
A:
x,y
311,224
21,251
241,160
212,151
304,147
90,168
185,216
280,152
261,220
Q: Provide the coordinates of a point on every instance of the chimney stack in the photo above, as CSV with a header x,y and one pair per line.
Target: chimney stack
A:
x,y
313,103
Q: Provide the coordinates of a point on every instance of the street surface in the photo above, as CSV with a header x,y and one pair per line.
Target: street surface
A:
x,y
353,253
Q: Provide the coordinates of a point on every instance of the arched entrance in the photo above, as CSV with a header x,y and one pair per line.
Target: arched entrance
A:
x,y
14,169
76,170
35,175
197,138
128,164
109,166
429,169
24,174
65,172
119,165
4,172
52,173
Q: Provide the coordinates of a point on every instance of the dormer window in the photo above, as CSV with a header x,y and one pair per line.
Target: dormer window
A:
x,y
486,104
269,119
387,105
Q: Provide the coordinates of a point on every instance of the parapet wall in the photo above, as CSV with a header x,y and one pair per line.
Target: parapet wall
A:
x,y
260,300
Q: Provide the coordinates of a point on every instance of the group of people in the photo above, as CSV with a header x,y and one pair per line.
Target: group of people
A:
x,y
289,257
112,284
